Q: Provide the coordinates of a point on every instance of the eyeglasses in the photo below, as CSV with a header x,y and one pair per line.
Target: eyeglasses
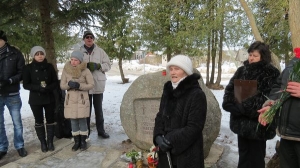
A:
x,y
87,37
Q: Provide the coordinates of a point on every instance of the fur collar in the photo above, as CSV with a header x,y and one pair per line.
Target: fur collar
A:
x,y
75,72
189,82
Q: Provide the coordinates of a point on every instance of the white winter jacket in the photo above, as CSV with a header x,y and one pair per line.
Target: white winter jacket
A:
x,y
98,56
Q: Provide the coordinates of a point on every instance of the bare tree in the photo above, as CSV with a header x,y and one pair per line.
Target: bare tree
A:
x,y
255,31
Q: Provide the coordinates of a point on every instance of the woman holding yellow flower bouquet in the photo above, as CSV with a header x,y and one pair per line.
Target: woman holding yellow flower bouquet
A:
x,y
288,113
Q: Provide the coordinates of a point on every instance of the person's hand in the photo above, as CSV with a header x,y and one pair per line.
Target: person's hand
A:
x,y
4,82
261,120
268,103
92,66
163,144
293,88
73,85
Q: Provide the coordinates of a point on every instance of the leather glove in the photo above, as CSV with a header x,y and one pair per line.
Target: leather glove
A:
x,y
233,109
163,144
4,82
92,66
73,85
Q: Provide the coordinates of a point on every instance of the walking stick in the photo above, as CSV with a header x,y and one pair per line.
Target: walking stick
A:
x,y
169,159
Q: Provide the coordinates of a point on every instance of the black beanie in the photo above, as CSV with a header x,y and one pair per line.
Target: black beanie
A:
x,y
3,36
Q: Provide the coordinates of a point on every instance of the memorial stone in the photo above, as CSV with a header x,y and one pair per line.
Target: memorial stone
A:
x,y
140,105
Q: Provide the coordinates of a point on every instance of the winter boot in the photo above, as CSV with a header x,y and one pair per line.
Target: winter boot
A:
x,y
50,136
76,146
83,145
40,132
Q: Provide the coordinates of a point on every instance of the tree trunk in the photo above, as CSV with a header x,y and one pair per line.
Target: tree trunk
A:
x,y
47,35
255,31
124,80
218,81
213,56
294,15
208,60
169,54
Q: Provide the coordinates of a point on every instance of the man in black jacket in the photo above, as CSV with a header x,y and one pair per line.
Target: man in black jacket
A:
x,y
287,117
11,65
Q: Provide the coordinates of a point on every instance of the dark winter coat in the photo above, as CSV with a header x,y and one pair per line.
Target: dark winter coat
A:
x,y
181,118
288,117
33,74
244,116
11,66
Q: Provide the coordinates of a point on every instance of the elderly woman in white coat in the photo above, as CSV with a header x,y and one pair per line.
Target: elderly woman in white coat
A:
x,y
77,80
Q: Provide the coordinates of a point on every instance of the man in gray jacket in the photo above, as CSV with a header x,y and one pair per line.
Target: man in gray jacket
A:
x,y
98,63
11,65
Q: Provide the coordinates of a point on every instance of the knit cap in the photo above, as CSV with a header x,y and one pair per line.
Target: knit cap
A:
x,y
3,36
88,32
78,55
183,62
36,49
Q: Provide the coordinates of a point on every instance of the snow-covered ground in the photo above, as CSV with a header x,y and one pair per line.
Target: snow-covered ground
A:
x,y
111,107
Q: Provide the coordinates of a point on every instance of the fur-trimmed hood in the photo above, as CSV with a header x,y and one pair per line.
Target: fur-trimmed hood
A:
x,y
75,72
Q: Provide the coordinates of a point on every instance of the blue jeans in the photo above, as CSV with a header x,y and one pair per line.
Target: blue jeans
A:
x,y
14,105
80,125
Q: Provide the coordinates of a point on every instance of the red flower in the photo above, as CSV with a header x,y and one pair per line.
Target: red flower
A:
x,y
297,52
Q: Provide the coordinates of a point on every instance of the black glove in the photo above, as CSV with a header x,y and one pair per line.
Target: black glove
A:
x,y
73,85
233,109
163,144
4,82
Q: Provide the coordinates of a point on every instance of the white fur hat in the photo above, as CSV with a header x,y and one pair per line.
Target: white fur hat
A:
x,y
183,62
36,49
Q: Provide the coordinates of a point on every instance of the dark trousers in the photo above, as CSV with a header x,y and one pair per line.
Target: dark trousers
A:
x,y
38,113
96,100
289,153
251,153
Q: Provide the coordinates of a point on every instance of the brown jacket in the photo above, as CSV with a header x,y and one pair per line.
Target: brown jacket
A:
x,y
77,104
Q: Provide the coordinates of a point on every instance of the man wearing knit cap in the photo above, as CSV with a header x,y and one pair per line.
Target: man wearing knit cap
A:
x,y
10,77
98,63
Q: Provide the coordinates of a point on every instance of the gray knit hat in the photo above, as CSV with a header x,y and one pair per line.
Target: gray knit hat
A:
x,y
36,49
183,62
88,32
78,55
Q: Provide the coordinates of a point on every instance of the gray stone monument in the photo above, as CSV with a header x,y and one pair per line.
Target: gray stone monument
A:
x,y
140,105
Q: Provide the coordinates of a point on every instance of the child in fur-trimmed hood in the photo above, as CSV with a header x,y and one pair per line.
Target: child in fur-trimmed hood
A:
x,y
77,80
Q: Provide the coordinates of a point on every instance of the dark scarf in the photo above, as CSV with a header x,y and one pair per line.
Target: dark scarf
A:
x,y
3,49
89,49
